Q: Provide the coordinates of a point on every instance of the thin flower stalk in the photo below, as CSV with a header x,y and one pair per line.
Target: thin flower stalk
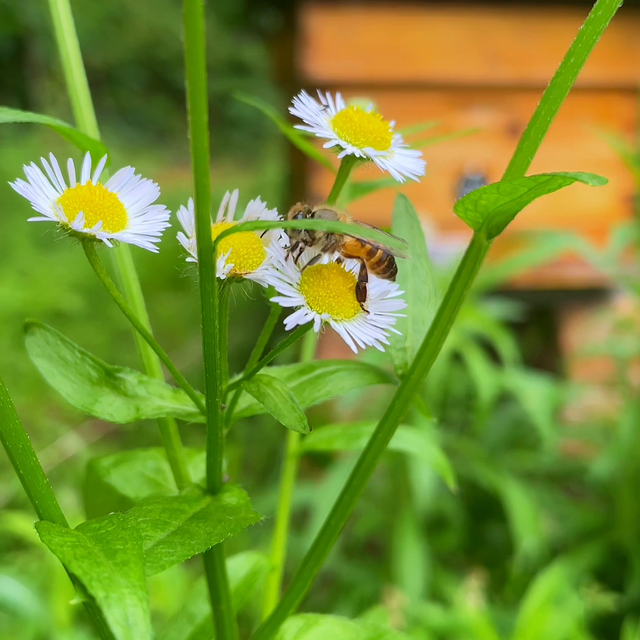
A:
x,y
103,276
279,541
282,346
84,113
258,349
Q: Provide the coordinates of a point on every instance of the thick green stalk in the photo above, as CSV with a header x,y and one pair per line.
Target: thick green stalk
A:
x,y
346,166
292,338
197,101
103,276
214,368
86,121
26,464
278,556
462,280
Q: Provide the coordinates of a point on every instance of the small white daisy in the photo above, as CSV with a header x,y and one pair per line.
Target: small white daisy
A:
x,y
247,254
325,293
363,133
122,209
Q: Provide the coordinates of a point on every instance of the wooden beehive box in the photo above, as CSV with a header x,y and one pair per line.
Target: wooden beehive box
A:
x,y
485,67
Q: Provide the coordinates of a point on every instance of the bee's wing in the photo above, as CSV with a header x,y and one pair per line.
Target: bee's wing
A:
x,y
393,251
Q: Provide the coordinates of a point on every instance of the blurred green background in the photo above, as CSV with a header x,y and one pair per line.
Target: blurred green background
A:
x,y
541,538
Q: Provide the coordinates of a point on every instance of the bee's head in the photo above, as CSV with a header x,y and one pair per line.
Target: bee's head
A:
x,y
299,211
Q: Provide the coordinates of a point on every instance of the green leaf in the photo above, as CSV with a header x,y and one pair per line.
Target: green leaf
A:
x,y
414,441
295,136
114,394
276,397
416,279
356,190
552,607
314,382
331,226
122,395
75,137
490,209
105,555
193,622
312,626
176,528
118,481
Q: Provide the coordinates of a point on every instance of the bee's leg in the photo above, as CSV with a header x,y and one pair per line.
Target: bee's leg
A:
x,y
300,249
361,285
292,249
313,261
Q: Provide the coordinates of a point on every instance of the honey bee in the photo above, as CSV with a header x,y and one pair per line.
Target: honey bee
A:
x,y
373,257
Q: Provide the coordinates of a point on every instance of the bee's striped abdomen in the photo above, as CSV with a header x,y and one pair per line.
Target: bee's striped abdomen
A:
x,y
379,262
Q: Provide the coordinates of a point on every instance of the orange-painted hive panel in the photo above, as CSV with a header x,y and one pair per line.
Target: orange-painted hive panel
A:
x,y
426,79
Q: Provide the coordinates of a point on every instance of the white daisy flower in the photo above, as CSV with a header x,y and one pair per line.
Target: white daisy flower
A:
x,y
325,293
363,133
122,209
246,254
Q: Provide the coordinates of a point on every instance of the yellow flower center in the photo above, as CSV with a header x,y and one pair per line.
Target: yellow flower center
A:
x,y
363,129
247,250
98,205
331,289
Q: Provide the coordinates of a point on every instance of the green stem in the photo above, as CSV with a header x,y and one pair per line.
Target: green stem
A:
x,y
256,352
103,276
280,538
265,335
73,68
346,166
292,338
86,121
278,555
26,464
559,87
198,109
462,280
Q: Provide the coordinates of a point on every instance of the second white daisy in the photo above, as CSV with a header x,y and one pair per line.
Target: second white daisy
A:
x,y
363,133
246,254
122,209
325,293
